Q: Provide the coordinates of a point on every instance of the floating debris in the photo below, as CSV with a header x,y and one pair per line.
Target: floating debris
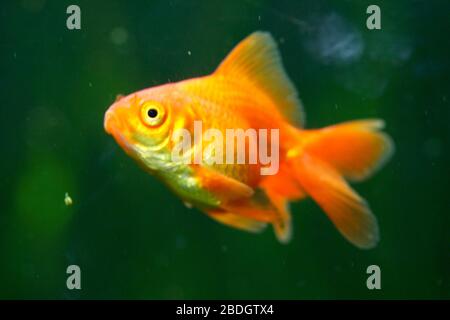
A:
x,y
189,53
67,199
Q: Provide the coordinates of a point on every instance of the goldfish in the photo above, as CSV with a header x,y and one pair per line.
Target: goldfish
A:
x,y
250,89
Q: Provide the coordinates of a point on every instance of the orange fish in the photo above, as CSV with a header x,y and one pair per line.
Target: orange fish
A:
x,y
251,90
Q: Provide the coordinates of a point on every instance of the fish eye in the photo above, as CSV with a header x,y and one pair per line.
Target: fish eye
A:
x,y
152,113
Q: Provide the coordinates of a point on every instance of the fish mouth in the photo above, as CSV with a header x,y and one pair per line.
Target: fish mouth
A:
x,y
113,126
110,122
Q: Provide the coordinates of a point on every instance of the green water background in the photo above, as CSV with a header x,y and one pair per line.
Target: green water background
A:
x,y
131,237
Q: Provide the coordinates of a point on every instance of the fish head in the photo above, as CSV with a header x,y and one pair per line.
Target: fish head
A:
x,y
142,123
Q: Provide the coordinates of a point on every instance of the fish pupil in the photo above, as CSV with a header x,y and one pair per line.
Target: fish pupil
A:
x,y
152,113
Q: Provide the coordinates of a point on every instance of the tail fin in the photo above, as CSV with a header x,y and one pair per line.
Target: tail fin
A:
x,y
353,150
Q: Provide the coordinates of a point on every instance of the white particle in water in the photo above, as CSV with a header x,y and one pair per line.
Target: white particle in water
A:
x,y
67,199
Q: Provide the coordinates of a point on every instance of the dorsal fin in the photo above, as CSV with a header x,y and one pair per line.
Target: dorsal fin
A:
x,y
256,60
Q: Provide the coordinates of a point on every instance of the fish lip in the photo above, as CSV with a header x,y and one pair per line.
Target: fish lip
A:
x,y
113,127
110,122
122,141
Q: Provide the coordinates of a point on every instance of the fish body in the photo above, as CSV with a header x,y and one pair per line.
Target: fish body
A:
x,y
251,91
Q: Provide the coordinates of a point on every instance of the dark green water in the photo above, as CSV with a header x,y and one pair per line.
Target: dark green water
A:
x,y
130,236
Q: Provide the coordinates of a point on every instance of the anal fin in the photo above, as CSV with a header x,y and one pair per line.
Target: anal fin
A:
x,y
265,208
237,221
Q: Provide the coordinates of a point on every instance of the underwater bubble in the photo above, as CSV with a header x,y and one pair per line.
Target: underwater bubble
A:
x,y
119,36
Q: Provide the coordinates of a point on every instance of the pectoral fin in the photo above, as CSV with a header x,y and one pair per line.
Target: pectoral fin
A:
x,y
224,188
